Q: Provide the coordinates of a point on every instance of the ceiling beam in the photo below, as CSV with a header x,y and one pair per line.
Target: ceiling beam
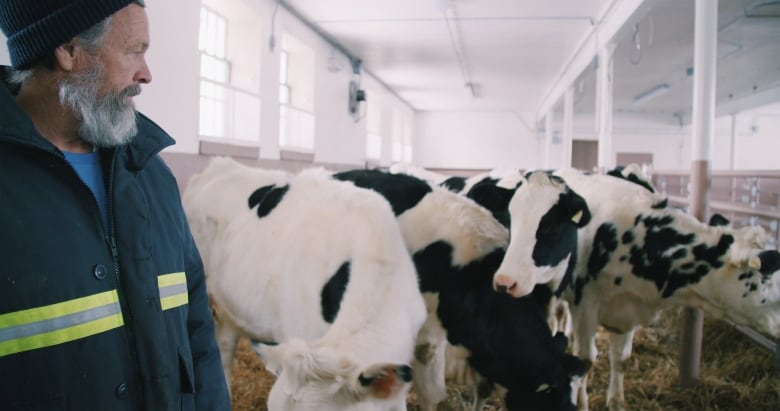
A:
x,y
614,17
354,60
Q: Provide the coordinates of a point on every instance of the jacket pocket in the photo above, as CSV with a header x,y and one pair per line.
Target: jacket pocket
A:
x,y
186,374
187,378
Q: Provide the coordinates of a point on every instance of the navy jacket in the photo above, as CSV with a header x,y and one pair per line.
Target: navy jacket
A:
x,y
93,317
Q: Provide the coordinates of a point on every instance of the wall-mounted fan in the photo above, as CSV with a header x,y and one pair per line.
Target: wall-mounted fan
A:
x,y
356,95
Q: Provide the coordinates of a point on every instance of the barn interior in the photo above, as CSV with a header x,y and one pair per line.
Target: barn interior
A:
x,y
462,87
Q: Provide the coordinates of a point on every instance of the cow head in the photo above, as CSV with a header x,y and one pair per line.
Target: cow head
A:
x,y
545,215
557,394
311,376
746,290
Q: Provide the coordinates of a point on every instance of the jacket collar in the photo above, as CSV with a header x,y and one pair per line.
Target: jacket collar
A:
x,y
16,127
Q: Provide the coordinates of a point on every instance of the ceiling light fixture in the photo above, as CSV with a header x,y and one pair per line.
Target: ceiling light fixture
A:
x,y
652,93
446,8
468,89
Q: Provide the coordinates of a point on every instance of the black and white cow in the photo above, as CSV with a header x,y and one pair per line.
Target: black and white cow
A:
x,y
491,190
319,266
633,172
456,247
622,256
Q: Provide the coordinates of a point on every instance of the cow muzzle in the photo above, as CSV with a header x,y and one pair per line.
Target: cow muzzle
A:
x,y
505,284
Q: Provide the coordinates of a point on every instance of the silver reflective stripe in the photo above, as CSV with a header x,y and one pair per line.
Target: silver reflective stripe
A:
x,y
171,290
40,327
58,323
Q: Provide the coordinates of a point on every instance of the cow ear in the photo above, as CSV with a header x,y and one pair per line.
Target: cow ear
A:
x,y
385,380
770,261
578,209
272,355
293,354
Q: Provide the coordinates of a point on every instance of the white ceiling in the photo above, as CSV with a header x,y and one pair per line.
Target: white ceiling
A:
x,y
514,51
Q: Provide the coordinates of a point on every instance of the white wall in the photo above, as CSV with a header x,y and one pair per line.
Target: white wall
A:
x,y
473,141
453,140
171,99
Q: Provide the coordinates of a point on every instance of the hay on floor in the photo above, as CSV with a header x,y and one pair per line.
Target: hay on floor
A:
x,y
736,374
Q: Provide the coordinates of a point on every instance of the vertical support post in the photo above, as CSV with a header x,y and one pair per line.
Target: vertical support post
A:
x,y
568,126
704,60
732,151
548,137
604,78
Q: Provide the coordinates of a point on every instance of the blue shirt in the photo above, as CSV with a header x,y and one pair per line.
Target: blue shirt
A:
x,y
87,166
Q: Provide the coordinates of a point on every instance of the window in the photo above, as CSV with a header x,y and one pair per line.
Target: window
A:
x,y
407,137
374,128
402,137
229,76
296,95
214,73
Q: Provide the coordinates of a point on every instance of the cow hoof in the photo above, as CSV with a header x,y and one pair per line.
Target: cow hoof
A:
x,y
616,405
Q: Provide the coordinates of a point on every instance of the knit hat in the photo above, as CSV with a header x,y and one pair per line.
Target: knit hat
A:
x,y
35,28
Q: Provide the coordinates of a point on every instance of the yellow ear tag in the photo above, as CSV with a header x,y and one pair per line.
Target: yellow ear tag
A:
x,y
577,217
754,262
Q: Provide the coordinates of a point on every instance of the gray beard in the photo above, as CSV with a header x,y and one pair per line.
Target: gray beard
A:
x,y
106,121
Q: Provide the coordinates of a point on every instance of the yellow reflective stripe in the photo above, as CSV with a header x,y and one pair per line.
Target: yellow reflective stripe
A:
x,y
57,310
173,290
59,323
171,279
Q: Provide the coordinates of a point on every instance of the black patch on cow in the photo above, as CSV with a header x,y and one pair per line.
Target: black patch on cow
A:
x,y
618,280
638,219
333,292
509,340
718,220
434,265
712,255
402,191
746,276
679,254
556,235
628,237
660,205
618,172
604,244
770,261
579,285
496,199
650,261
454,184
267,198
623,258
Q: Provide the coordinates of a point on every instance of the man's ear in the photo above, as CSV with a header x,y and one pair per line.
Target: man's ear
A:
x,y
65,55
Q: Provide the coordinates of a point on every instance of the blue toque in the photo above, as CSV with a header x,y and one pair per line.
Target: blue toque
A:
x,y
34,28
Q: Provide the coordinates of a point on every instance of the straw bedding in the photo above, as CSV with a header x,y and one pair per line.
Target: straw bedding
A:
x,y
736,374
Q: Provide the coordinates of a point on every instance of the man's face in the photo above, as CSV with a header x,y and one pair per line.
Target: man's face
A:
x,y
101,88
123,49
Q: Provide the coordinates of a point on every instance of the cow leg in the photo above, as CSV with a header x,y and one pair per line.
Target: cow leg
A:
x,y
428,369
619,350
482,391
227,339
559,316
584,347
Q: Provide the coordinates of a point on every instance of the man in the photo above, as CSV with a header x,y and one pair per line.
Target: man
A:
x,y
103,304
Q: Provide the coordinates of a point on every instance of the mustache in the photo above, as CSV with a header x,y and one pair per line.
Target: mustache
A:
x,y
131,91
